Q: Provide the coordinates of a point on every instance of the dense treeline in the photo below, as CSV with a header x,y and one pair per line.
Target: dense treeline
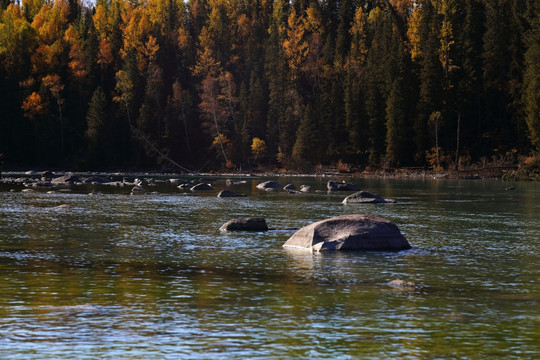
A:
x,y
214,83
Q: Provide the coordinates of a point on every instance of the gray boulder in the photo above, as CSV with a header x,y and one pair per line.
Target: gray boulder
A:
x,y
350,232
228,193
245,224
269,185
289,187
365,197
66,180
341,186
201,186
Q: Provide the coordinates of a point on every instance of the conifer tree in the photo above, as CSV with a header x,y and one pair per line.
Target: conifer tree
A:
x,y
531,81
96,132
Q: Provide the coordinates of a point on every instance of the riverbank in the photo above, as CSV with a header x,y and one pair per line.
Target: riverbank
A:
x,y
526,172
495,172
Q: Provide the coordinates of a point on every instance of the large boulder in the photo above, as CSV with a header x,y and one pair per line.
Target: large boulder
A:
x,y
350,232
365,197
245,224
341,186
269,185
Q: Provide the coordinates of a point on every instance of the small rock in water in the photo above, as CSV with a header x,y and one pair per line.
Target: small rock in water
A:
x,y
245,224
365,197
305,188
228,193
201,186
63,207
341,186
268,185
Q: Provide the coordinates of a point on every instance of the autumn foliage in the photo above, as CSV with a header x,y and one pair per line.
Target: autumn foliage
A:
x,y
157,83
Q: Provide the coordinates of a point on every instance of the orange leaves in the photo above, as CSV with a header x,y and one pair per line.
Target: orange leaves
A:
x,y
76,54
33,106
258,148
414,33
124,88
136,29
359,45
105,55
54,84
207,64
403,7
101,21
295,46
15,34
151,48
183,38
51,21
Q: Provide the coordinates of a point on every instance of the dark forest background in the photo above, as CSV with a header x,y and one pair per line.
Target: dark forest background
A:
x,y
221,84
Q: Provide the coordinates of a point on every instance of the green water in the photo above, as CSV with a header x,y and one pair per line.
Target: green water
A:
x,y
116,276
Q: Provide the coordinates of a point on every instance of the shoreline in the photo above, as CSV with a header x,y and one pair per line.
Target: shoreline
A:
x,y
488,172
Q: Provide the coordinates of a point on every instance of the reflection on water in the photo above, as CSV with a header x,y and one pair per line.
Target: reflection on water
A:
x,y
152,277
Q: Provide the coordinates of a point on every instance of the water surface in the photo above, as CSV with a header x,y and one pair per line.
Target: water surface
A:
x,y
115,276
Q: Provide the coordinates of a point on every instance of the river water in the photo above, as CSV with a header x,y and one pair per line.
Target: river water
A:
x,y
119,276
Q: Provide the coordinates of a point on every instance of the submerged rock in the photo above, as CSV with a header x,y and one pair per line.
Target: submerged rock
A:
x,y
228,193
350,232
245,224
365,197
402,284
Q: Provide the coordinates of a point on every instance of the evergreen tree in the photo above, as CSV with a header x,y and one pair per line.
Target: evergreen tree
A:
x,y
307,144
531,81
96,132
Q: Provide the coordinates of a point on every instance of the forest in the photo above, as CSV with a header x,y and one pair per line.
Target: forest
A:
x,y
236,84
